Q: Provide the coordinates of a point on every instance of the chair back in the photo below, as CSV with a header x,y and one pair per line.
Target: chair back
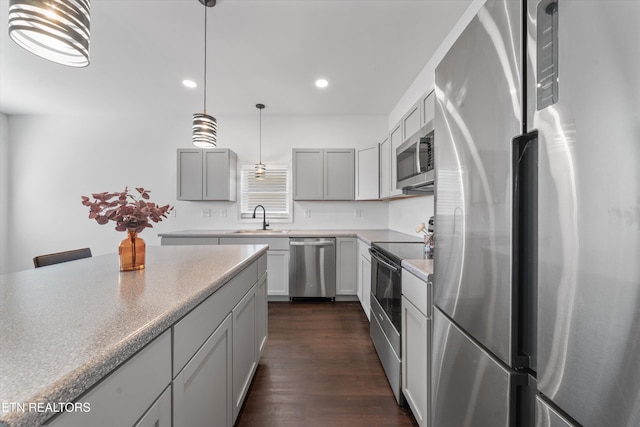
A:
x,y
58,257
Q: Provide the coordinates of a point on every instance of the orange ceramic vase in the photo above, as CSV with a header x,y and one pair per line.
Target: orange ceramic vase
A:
x,y
132,252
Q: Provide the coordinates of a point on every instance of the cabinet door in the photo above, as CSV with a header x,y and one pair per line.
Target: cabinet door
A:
x,y
385,167
415,361
278,268
428,107
261,315
366,285
308,174
189,174
411,121
244,348
339,174
159,415
202,392
219,175
368,173
396,141
346,266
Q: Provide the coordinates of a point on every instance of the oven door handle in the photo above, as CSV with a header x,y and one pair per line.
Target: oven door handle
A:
x,y
383,262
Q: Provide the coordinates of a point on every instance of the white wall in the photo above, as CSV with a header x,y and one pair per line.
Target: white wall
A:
x,y
4,192
55,160
406,214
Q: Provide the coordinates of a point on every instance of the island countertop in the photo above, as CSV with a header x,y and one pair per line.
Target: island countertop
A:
x,y
66,326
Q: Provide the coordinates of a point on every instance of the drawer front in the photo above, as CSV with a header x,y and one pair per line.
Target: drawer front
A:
x,y
417,292
194,329
275,243
392,335
125,394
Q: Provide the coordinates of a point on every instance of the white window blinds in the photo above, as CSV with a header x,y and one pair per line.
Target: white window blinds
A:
x,y
272,192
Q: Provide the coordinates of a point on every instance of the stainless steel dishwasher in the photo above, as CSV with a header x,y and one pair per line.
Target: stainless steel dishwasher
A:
x,y
312,267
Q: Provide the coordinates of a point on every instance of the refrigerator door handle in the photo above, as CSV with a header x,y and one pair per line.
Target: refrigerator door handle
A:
x,y
525,249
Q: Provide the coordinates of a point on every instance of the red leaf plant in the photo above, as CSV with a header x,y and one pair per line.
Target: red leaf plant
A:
x,y
130,212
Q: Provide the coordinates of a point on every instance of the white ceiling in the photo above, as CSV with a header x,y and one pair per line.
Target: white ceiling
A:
x,y
268,51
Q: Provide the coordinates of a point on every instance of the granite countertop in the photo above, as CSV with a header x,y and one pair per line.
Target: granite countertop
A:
x,y
421,268
66,326
366,235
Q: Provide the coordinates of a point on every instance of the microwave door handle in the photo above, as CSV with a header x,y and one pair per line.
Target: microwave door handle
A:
x,y
383,262
418,170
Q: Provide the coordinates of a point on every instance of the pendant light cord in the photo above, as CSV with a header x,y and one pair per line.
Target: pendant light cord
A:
x,y
205,59
261,136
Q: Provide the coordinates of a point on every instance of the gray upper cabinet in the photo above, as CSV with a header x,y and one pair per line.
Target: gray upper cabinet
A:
x,y
323,174
308,174
427,105
411,121
367,170
339,174
207,174
385,167
396,140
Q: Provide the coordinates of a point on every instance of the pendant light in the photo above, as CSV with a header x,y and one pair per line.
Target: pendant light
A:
x,y
56,30
261,169
205,127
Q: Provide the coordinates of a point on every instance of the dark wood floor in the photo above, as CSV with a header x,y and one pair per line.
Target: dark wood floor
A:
x,y
320,369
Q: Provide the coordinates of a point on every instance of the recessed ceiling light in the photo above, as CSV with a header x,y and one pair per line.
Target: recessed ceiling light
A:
x,y
189,83
322,83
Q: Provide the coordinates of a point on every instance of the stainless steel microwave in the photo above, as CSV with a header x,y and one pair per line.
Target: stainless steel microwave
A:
x,y
414,162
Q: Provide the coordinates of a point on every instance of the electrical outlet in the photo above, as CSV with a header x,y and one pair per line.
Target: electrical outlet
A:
x,y
206,213
173,212
223,212
357,213
307,213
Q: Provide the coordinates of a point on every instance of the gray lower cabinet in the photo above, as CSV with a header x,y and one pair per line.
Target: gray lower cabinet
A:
x,y
346,266
202,391
206,174
323,174
416,345
124,396
159,415
277,260
201,367
245,348
278,267
262,326
364,277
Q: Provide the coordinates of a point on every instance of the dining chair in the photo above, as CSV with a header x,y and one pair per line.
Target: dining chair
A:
x,y
58,257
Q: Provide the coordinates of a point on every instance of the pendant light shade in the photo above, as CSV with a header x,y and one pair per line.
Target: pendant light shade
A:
x,y
57,30
205,130
205,127
261,168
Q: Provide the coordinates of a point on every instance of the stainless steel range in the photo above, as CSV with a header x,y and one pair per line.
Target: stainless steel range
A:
x,y
386,305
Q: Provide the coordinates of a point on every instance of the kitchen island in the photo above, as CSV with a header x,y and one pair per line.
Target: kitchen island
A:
x,y
66,327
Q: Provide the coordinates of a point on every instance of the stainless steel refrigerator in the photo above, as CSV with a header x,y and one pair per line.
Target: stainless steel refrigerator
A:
x,y
537,268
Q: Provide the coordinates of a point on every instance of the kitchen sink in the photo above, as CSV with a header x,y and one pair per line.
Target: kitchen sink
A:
x,y
260,231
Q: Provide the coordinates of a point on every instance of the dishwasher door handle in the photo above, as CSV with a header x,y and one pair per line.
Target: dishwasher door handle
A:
x,y
311,243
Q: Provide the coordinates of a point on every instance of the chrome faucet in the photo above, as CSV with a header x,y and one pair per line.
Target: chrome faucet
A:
x,y
265,224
